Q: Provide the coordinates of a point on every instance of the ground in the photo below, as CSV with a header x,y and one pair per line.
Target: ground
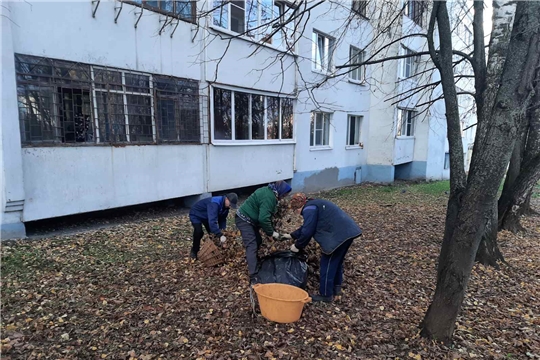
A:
x,y
129,291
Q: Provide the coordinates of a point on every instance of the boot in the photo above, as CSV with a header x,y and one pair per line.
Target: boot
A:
x,y
320,298
193,254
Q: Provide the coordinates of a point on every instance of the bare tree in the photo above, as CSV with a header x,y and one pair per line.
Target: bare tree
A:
x,y
500,107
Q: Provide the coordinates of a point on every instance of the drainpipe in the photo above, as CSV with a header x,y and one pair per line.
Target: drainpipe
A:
x,y
206,119
295,123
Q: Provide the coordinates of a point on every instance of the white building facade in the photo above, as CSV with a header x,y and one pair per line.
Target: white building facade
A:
x,y
108,104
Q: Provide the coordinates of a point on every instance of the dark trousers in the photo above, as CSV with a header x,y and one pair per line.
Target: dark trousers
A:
x,y
198,233
332,269
252,240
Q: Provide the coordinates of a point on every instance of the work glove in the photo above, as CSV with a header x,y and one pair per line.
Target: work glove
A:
x,y
294,249
286,237
222,239
276,235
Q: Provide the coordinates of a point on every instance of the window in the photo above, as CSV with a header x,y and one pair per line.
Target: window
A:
x,y
406,122
256,19
240,115
320,129
360,7
414,9
410,63
353,130
322,50
356,56
446,161
185,10
66,102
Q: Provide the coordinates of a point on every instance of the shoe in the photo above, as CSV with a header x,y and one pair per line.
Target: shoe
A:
x,y
320,298
337,291
193,255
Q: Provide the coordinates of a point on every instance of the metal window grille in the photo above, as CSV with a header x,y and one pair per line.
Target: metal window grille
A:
x,y
185,10
66,102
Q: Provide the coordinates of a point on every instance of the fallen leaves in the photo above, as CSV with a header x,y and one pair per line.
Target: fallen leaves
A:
x,y
130,291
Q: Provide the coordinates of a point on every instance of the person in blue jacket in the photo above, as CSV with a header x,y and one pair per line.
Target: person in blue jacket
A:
x,y
212,214
334,230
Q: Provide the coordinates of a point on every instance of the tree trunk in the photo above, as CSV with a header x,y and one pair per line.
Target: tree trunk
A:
x,y
527,208
488,253
444,63
503,17
489,164
526,180
516,201
516,160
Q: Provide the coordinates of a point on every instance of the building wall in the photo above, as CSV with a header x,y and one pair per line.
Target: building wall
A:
x,y
11,176
65,180
319,168
41,182
70,180
237,166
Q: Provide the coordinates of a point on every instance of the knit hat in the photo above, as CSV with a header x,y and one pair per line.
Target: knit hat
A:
x,y
233,199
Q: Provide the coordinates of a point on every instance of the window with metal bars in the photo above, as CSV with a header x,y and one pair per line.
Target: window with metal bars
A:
x,y
67,102
185,10
415,9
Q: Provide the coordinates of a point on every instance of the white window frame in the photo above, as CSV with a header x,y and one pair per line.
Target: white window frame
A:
x,y
327,64
358,119
259,37
410,63
359,71
326,117
124,92
250,141
403,119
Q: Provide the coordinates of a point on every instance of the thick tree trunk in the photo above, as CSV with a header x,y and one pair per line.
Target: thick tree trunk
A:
x,y
516,200
527,208
526,180
488,253
515,160
503,17
489,164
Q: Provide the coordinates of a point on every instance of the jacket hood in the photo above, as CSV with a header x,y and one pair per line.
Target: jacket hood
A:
x,y
282,188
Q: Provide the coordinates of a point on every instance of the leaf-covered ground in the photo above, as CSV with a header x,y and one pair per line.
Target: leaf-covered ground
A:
x,y
130,292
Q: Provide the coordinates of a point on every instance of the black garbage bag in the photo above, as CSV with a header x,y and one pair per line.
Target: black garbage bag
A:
x,y
284,267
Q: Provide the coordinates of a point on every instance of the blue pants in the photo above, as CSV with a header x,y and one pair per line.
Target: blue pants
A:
x,y
332,269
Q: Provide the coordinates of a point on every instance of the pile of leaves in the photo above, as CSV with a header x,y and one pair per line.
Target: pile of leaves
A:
x,y
131,292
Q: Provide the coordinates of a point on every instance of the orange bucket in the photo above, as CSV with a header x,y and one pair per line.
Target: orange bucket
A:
x,y
281,303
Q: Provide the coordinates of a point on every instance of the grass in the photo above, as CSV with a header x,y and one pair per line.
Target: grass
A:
x,y
24,261
397,192
536,191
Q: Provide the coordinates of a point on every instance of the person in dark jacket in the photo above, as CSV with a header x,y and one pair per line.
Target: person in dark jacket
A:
x,y
212,214
334,230
256,213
